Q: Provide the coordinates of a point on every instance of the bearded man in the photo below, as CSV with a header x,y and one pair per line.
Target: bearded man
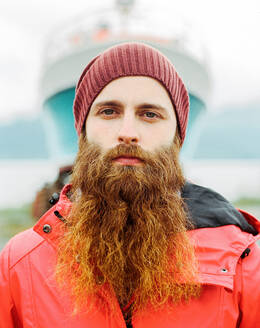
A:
x,y
130,242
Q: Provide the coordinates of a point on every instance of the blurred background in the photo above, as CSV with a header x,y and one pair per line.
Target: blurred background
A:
x,y
46,44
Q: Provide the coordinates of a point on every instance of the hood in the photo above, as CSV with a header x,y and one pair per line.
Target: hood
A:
x,y
208,209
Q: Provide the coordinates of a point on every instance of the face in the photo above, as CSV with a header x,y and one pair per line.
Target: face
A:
x,y
132,110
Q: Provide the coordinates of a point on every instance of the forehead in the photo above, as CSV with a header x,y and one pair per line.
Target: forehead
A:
x,y
135,89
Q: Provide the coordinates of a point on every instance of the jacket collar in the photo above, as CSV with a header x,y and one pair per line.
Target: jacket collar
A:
x,y
51,225
207,208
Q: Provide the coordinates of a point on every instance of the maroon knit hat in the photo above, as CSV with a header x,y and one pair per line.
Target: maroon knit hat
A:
x,y
130,59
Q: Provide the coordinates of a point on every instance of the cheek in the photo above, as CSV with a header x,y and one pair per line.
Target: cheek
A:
x,y
98,131
160,136
169,132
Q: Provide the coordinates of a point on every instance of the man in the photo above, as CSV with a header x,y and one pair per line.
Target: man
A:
x,y
130,242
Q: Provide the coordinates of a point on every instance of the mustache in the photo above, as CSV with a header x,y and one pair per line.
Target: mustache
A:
x,y
129,151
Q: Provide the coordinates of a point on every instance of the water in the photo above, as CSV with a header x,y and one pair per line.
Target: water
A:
x,y
20,180
234,179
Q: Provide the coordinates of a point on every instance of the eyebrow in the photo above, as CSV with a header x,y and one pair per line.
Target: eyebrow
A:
x,y
113,103
116,103
151,106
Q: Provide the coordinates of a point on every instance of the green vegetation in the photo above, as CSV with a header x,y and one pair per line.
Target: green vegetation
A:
x,y
251,205
247,202
14,220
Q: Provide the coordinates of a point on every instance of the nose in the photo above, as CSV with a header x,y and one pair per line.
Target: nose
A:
x,y
128,132
128,140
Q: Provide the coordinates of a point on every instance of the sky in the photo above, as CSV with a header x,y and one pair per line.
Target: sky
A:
x,y
229,29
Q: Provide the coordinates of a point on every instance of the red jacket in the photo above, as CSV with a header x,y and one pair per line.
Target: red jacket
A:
x,y
229,262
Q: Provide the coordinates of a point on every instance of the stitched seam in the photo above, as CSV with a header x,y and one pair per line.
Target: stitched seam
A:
x,y
26,254
218,274
9,277
221,309
239,293
34,315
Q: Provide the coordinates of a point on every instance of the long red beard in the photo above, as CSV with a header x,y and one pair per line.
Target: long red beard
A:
x,y
128,228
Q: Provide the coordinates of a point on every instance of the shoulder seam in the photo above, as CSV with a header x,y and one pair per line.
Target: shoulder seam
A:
x,y
9,278
27,253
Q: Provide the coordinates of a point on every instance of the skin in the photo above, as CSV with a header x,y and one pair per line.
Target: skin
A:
x,y
134,110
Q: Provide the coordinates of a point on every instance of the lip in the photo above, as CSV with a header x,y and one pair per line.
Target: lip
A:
x,y
128,160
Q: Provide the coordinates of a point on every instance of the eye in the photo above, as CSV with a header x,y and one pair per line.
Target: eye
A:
x,y
151,115
107,111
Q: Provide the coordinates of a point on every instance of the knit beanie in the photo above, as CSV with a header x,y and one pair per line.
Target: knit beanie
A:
x,y
130,59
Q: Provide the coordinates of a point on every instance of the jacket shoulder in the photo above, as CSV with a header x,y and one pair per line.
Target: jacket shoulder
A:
x,y
21,245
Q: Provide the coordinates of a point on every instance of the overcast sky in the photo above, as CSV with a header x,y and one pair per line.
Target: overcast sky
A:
x,y
230,30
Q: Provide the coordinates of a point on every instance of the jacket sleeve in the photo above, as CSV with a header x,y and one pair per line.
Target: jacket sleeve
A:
x,y
6,305
250,289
